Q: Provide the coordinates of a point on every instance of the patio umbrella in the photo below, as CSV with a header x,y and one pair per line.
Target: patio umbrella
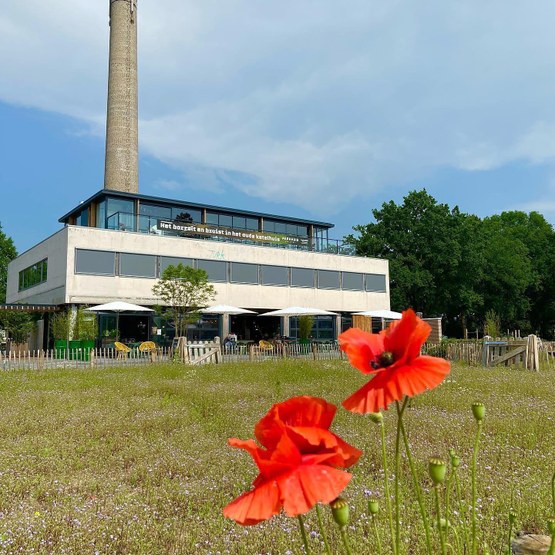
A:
x,y
299,311
226,309
117,307
386,314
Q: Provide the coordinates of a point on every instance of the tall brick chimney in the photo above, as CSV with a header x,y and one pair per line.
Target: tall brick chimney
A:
x,y
121,172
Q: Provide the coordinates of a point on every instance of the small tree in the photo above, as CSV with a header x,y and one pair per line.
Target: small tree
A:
x,y
492,324
305,326
60,325
18,325
184,290
86,325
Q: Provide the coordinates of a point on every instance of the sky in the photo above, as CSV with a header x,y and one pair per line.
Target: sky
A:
x,y
320,109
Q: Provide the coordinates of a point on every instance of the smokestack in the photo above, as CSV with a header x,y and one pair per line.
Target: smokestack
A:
x,y
121,172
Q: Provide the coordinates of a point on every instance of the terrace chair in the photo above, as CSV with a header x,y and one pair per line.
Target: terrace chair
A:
x,y
265,345
122,349
148,347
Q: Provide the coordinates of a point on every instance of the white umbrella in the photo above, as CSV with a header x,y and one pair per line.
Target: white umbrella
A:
x,y
117,307
385,314
299,311
226,309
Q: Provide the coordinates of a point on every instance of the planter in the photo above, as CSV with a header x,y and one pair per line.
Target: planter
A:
x,y
60,348
87,345
75,352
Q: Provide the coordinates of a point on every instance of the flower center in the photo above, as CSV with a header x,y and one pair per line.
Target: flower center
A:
x,y
384,360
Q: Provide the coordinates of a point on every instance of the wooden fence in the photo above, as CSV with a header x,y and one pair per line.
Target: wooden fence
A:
x,y
472,352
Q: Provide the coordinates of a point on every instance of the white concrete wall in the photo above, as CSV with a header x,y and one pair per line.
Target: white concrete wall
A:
x,y
53,291
89,289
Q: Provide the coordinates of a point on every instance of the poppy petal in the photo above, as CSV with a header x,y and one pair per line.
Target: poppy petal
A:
x,y
302,489
361,348
297,411
406,337
423,373
255,506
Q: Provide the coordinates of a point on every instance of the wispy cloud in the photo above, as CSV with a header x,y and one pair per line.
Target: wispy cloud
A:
x,y
312,103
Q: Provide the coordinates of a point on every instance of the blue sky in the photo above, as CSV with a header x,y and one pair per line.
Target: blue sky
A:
x,y
315,109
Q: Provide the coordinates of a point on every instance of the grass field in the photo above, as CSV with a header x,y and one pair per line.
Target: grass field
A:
x,y
135,460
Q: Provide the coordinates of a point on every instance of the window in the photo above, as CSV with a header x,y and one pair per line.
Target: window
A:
x,y
302,277
166,261
353,281
375,282
244,273
101,263
33,275
101,214
137,265
216,270
184,214
274,275
251,224
120,214
225,220
328,279
83,218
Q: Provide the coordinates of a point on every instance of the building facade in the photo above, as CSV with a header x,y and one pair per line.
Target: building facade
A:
x,y
115,245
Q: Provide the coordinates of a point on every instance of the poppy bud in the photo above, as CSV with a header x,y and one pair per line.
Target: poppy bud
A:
x,y
443,524
373,506
512,518
454,458
340,511
437,469
479,411
376,417
551,526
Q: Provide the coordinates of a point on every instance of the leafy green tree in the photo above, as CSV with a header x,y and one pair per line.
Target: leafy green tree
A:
x,y
18,325
434,263
520,266
184,290
7,253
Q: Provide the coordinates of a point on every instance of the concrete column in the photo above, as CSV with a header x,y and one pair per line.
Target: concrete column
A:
x,y
337,326
121,171
225,325
285,327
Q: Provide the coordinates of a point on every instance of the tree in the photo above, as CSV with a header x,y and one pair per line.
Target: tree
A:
x,y
184,290
7,253
433,263
18,325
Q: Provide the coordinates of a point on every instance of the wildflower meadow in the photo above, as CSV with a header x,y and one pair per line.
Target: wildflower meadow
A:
x,y
136,460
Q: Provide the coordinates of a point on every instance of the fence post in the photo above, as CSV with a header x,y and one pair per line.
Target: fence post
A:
x,y
532,359
315,351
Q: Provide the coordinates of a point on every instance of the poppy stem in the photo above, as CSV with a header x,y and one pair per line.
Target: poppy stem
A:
x,y
386,486
462,508
400,410
345,539
438,517
377,533
553,491
322,530
415,479
474,464
303,534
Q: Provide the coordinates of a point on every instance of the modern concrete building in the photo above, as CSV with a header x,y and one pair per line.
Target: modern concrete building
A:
x,y
117,243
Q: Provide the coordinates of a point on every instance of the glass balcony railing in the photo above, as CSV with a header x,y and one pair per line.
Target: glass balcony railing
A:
x,y
149,224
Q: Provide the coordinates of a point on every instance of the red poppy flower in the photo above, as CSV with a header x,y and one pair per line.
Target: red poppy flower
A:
x,y
393,355
298,464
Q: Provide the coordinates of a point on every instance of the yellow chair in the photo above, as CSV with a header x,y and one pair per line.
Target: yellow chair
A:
x,y
147,346
122,349
265,345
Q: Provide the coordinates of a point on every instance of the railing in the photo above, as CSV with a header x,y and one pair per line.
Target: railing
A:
x,y
124,221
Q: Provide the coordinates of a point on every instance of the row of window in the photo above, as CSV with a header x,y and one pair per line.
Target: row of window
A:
x,y
108,263
117,213
33,275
